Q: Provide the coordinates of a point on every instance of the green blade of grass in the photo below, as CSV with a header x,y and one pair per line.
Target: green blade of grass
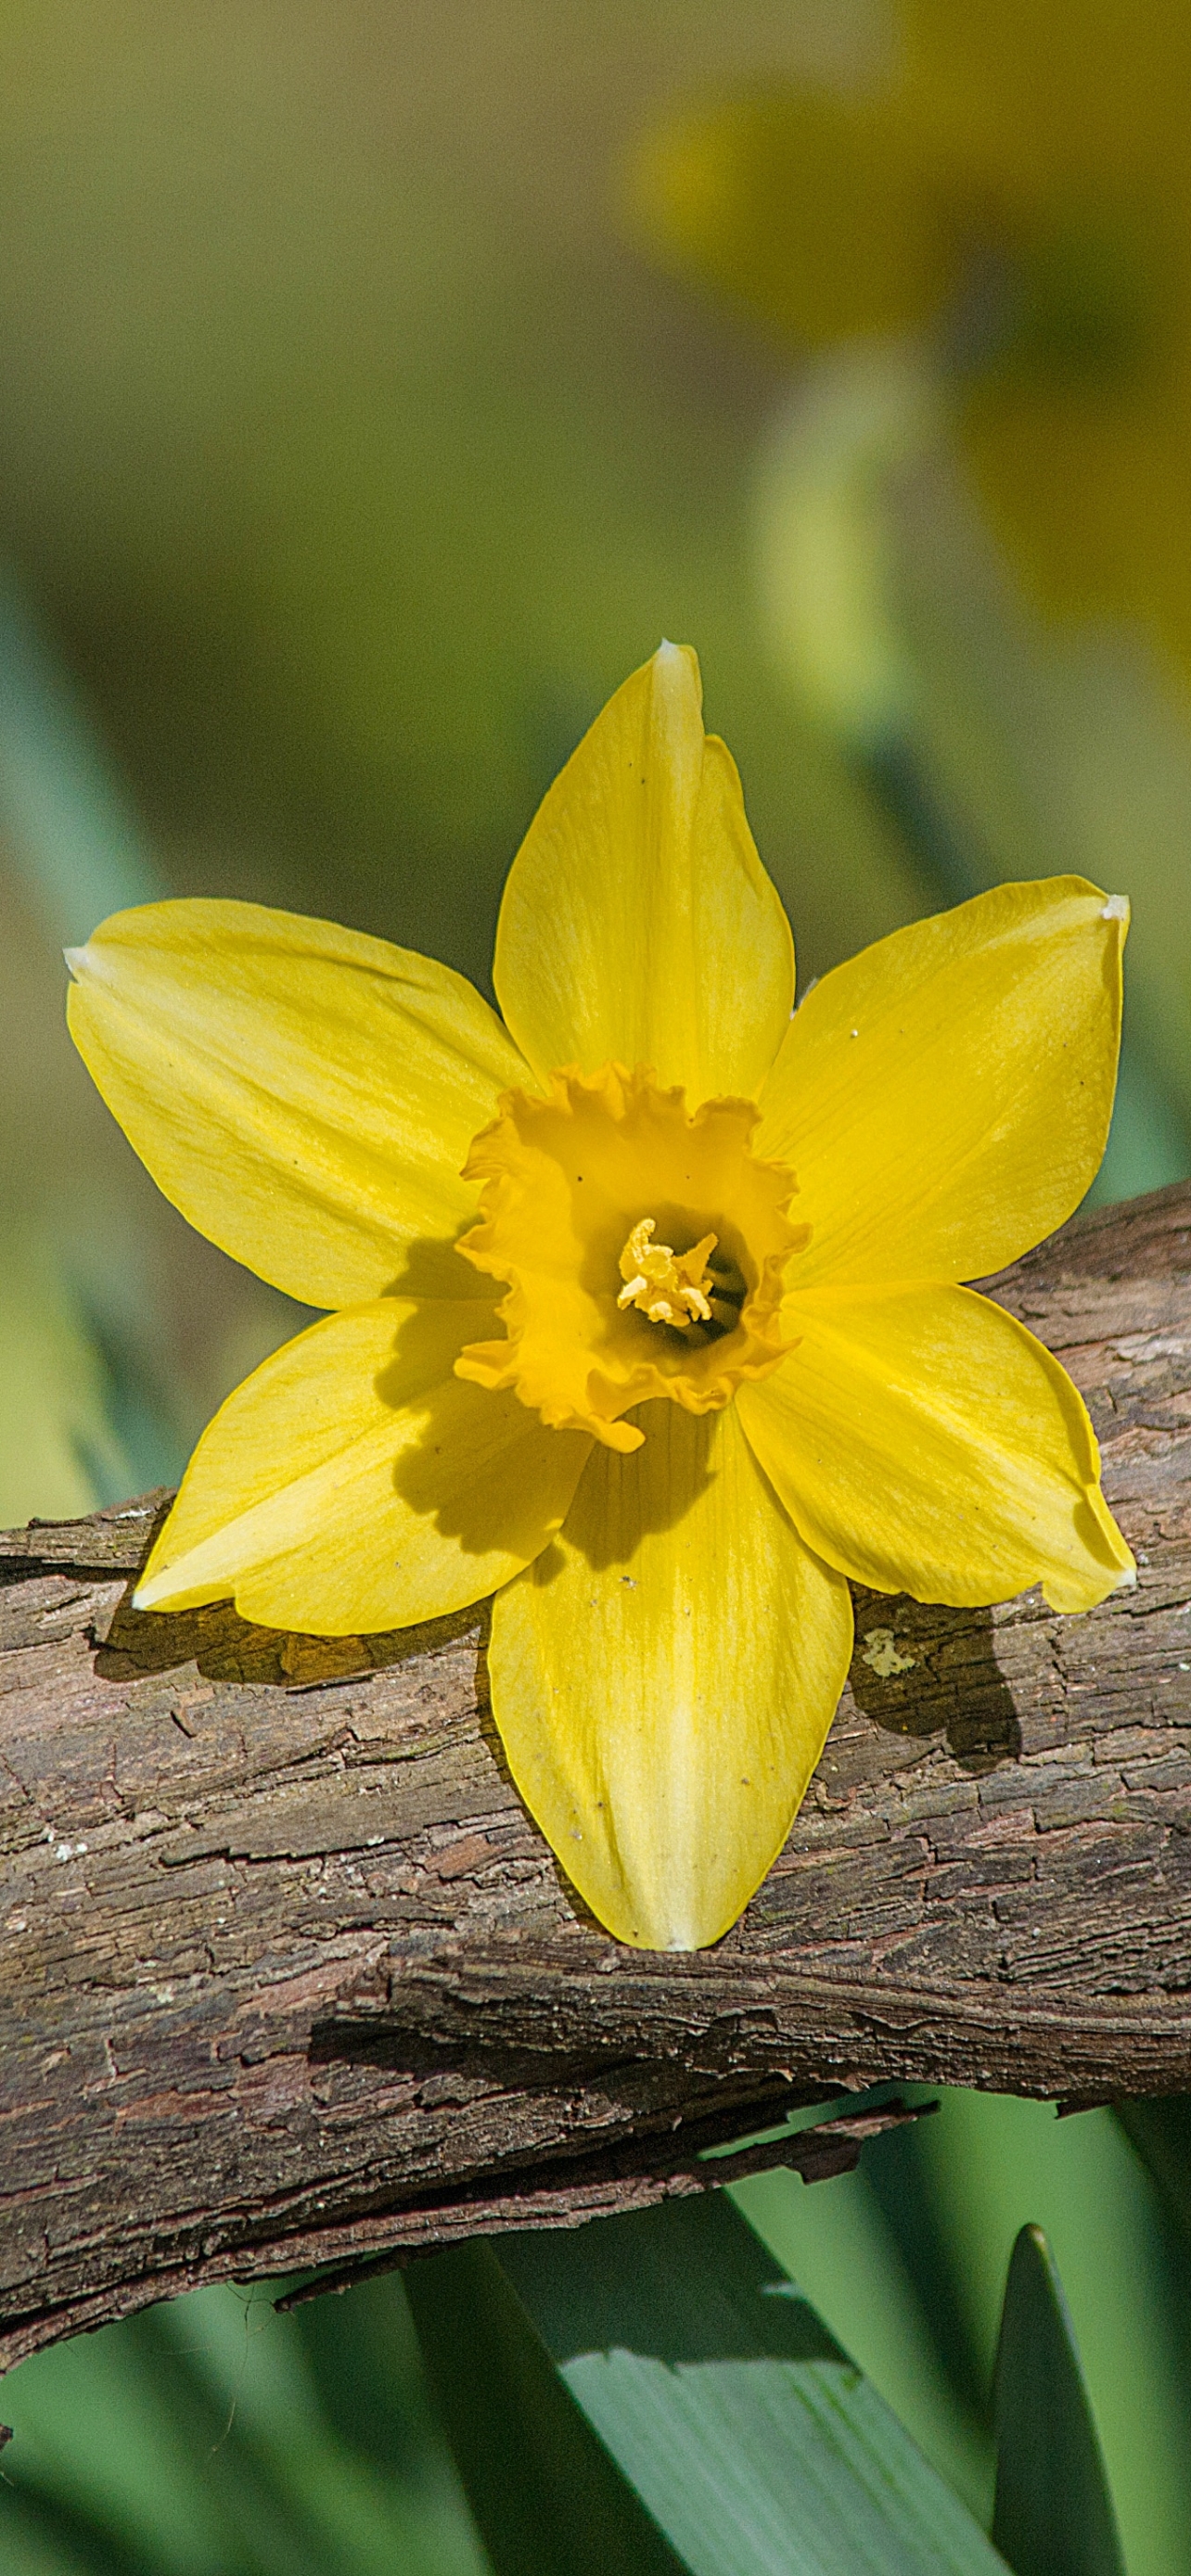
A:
x,y
546,2496
1160,2130
1053,2514
742,2440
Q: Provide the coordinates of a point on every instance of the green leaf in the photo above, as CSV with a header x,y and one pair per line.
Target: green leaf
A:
x,y
752,2442
67,828
1161,2132
195,2440
59,1452
547,2499
1053,2513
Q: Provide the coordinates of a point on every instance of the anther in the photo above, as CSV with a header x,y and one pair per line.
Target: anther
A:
x,y
668,1287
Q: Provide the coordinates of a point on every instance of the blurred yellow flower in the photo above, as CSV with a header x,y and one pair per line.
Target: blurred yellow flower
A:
x,y
1017,194
732,1364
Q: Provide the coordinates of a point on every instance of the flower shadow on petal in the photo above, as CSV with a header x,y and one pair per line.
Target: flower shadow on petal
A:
x,y
480,1466
622,1500
434,1270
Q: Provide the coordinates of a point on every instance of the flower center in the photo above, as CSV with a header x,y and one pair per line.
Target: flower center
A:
x,y
670,1288
600,1314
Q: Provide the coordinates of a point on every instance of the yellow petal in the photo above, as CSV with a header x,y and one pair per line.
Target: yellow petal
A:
x,y
821,215
663,1679
305,1095
944,1098
924,1442
1090,496
355,1483
1085,104
638,924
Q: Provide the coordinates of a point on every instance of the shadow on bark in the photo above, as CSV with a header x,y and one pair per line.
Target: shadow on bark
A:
x,y
227,1648
919,1671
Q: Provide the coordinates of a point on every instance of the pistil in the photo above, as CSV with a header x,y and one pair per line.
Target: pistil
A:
x,y
669,1287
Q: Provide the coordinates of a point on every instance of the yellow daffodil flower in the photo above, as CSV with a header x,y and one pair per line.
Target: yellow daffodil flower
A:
x,y
647,1315
1013,189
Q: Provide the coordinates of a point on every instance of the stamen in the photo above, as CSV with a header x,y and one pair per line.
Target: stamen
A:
x,y
668,1287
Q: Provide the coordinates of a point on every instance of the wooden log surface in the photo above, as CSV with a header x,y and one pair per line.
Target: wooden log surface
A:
x,y
289,1978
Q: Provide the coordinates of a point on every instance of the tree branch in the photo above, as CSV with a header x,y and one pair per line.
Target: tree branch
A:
x,y
290,1979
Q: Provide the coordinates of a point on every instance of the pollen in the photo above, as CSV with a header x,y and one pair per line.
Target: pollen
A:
x,y
669,1287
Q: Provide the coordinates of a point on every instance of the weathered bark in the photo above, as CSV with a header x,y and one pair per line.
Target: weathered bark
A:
x,y
289,1978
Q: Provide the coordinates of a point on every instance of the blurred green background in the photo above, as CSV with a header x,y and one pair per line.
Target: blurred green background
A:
x,y
378,383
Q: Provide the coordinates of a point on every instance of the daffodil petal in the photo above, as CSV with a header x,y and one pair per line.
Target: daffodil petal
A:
x,y
638,924
924,1442
820,214
663,1678
944,1098
353,1482
304,1094
1069,485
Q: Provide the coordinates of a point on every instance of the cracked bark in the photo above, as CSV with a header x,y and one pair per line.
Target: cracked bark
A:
x,y
290,1979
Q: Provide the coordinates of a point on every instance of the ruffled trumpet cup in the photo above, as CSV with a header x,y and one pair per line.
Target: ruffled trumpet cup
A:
x,y
567,1179
647,1316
